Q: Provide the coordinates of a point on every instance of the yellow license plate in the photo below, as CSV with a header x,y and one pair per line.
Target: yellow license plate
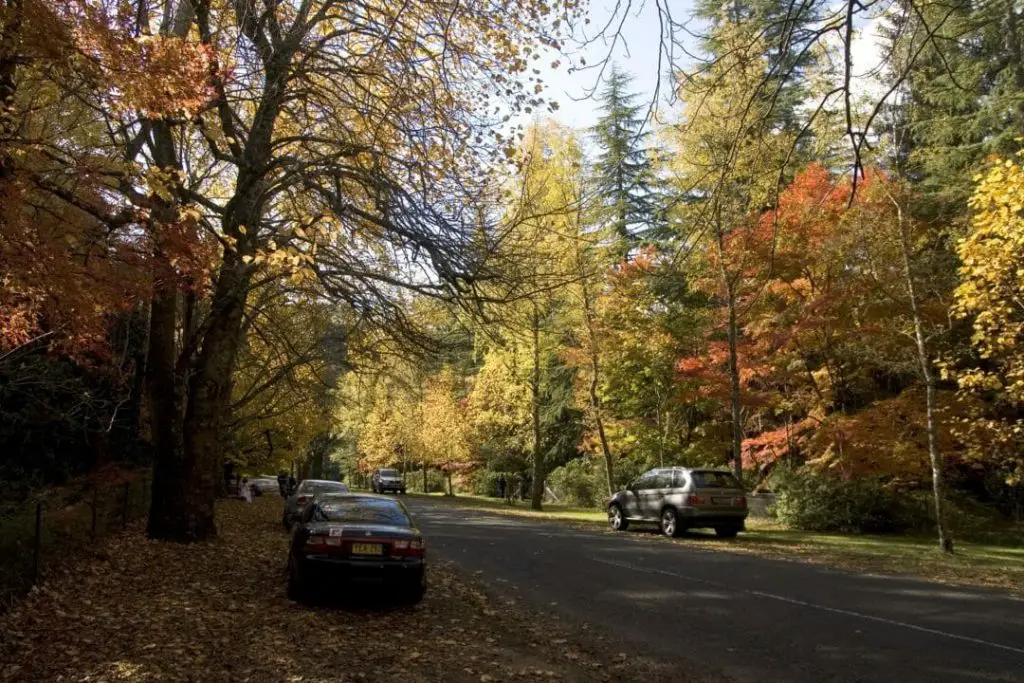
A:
x,y
367,549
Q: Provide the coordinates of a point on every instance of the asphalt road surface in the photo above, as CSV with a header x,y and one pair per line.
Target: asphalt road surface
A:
x,y
736,617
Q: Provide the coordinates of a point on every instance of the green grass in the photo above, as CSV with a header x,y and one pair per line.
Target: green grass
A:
x,y
995,559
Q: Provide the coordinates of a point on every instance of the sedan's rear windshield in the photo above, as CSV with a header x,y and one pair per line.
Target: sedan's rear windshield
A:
x,y
322,486
714,480
389,473
365,510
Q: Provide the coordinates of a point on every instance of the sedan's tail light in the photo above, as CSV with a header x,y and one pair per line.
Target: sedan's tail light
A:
x,y
413,548
302,500
741,502
316,543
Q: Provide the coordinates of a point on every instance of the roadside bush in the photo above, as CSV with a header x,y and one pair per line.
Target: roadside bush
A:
x,y
577,483
825,502
484,483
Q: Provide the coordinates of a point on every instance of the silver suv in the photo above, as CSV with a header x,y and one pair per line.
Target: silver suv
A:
x,y
680,498
387,479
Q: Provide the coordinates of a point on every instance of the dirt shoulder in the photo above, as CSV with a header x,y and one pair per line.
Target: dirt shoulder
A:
x,y
149,611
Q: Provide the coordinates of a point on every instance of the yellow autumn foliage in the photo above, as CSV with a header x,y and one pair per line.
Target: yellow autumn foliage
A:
x,y
991,290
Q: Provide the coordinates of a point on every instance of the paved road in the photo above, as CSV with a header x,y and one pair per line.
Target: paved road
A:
x,y
737,617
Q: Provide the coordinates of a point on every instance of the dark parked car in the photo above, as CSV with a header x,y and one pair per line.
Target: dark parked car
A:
x,y
303,495
387,479
680,498
345,538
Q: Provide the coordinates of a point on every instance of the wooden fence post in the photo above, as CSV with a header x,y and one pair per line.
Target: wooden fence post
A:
x,y
38,543
124,509
95,510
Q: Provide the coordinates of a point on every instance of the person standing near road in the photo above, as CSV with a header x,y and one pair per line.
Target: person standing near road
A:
x,y
501,485
244,492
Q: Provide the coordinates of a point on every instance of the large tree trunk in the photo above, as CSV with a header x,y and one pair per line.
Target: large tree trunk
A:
x,y
170,487
210,398
924,360
537,495
172,468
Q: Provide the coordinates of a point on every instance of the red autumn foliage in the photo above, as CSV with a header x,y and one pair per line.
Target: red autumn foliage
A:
x,y
71,253
150,74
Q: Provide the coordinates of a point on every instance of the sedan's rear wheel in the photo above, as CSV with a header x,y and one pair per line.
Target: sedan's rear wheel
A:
x,y
616,518
670,522
414,594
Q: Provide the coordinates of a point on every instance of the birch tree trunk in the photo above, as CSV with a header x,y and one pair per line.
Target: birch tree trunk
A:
x,y
537,493
924,360
596,408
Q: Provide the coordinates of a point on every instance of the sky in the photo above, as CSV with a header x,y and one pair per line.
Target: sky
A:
x,y
637,54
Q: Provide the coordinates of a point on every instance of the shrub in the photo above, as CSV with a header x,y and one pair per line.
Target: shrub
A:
x,y
577,483
484,483
825,502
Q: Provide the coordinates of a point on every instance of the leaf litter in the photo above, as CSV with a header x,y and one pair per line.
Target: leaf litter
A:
x,y
142,611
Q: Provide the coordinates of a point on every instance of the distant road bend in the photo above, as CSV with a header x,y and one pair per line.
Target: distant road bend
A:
x,y
738,617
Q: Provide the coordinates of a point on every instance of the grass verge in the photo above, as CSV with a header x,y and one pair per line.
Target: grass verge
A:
x,y
995,561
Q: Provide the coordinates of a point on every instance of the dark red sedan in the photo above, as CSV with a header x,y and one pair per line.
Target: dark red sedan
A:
x,y
343,539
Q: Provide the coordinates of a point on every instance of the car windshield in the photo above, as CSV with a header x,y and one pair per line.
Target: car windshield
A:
x,y
389,473
356,509
714,480
309,486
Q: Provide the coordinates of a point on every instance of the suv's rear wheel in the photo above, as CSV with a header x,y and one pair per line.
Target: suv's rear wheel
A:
x,y
670,522
616,518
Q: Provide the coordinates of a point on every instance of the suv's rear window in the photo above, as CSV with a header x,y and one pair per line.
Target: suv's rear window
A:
x,y
714,480
367,510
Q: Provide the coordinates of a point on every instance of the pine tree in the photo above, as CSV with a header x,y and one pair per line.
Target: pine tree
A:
x,y
964,98
624,172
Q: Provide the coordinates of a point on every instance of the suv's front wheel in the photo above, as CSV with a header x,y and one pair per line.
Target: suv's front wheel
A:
x,y
616,518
